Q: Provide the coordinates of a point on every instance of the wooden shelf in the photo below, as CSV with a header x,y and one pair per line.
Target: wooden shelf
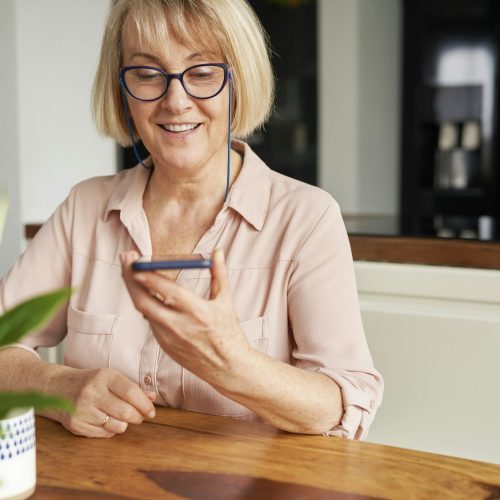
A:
x,y
430,251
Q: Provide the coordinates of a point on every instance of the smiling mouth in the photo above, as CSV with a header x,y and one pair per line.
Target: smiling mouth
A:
x,y
177,128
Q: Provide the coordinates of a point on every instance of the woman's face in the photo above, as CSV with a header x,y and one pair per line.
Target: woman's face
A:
x,y
204,142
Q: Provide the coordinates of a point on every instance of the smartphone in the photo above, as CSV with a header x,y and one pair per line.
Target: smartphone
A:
x,y
166,264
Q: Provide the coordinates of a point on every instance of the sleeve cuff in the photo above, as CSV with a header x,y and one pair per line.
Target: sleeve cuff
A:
x,y
354,424
22,346
360,403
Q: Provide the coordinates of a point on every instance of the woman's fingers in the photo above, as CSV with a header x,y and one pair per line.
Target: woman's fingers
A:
x,y
99,422
115,426
126,259
127,401
109,423
88,421
143,298
151,396
143,286
168,292
81,428
219,288
106,402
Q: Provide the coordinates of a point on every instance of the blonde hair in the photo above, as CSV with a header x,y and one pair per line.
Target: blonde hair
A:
x,y
233,29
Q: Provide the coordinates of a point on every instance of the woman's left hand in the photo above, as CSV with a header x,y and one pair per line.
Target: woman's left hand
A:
x,y
202,335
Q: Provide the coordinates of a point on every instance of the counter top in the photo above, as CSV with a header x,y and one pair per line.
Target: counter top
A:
x,y
429,251
379,238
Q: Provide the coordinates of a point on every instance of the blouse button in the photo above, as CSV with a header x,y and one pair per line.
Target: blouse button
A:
x,y
148,380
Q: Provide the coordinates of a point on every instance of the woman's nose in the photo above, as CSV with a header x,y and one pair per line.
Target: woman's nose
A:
x,y
176,98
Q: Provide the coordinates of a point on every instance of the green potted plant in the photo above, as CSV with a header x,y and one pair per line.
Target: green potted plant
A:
x,y
17,419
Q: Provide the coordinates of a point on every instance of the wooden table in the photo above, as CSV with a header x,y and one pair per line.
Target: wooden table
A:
x,y
188,455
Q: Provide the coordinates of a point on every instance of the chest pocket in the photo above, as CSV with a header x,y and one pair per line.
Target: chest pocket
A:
x,y
202,397
89,339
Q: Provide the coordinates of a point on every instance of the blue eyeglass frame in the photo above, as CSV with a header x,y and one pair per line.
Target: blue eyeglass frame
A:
x,y
170,76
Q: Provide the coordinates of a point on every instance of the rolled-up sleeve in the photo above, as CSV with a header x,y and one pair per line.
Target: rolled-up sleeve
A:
x,y
326,322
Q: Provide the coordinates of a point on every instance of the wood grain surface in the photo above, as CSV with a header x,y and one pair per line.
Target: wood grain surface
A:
x,y
190,455
430,251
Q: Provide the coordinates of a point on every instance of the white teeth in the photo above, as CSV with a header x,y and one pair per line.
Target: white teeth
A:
x,y
174,127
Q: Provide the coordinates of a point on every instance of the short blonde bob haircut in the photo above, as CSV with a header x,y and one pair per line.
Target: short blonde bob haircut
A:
x,y
228,27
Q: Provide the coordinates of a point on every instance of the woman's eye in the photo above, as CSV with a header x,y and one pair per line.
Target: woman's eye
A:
x,y
201,74
149,75
144,75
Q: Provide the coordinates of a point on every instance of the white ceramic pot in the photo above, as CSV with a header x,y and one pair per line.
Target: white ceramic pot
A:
x,y
18,455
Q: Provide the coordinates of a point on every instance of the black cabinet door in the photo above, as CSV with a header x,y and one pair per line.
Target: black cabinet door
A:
x,y
450,171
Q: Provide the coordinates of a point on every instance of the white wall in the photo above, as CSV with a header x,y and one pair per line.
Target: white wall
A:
x,y
380,54
9,158
338,72
434,335
49,54
58,45
359,87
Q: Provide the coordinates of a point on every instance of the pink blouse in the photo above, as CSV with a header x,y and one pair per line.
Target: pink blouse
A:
x,y
291,274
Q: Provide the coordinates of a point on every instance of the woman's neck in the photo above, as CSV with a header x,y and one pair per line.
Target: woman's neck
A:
x,y
204,187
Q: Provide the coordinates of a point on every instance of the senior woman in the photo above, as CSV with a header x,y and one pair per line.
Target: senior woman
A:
x,y
273,329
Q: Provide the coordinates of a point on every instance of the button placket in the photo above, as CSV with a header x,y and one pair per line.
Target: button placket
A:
x,y
148,363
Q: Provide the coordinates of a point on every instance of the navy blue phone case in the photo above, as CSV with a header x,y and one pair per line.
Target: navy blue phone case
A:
x,y
158,265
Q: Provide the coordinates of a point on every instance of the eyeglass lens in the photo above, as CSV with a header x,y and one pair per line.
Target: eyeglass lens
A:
x,y
150,84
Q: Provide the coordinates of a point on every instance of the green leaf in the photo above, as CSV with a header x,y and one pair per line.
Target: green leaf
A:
x,y
11,400
30,315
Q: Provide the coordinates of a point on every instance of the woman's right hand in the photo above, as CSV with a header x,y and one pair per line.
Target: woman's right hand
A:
x,y
97,394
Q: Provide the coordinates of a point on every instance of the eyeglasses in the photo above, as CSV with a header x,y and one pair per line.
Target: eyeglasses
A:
x,y
146,83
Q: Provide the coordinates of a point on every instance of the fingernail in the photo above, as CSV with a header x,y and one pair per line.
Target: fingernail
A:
x,y
219,254
152,414
140,277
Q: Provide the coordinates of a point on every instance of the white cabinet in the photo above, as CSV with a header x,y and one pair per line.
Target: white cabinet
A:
x,y
434,333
